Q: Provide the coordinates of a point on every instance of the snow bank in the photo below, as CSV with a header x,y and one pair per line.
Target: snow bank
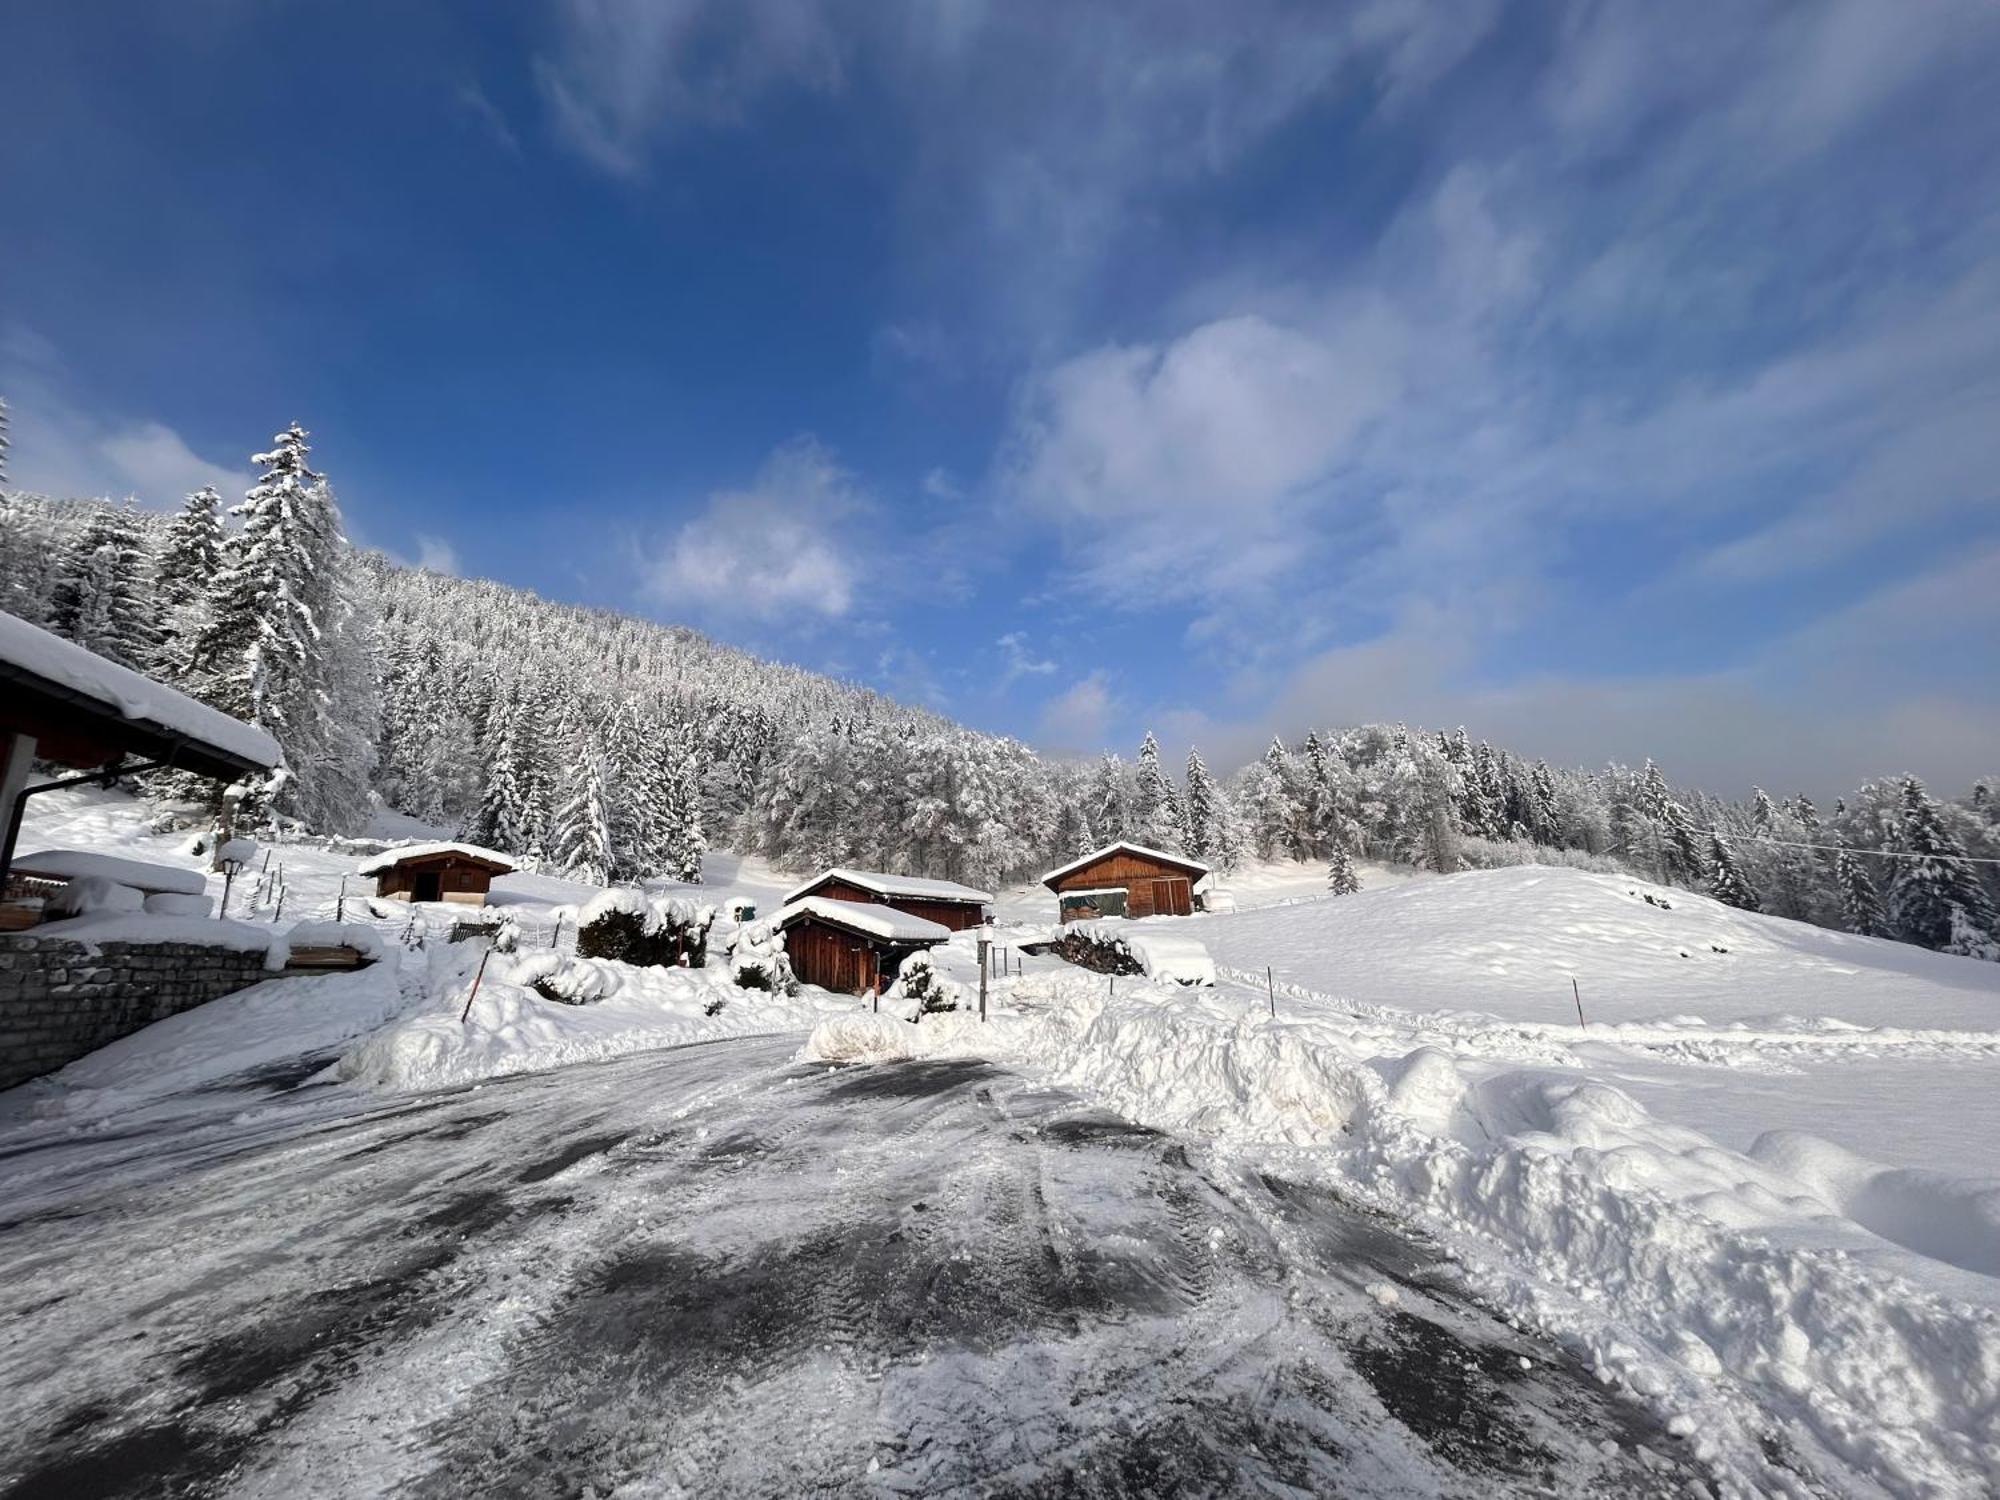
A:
x,y
364,940
511,1029
174,904
138,927
1719,1287
90,895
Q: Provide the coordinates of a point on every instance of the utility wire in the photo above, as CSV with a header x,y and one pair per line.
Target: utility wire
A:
x,y
1758,838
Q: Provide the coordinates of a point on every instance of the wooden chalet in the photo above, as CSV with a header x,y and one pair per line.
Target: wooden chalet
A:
x,y
459,873
852,947
65,706
944,902
1125,880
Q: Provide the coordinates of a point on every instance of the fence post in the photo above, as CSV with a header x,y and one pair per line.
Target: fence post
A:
x,y
1271,986
473,994
983,946
1585,1025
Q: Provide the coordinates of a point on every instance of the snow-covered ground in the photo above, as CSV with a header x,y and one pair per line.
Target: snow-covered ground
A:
x,y
1757,1190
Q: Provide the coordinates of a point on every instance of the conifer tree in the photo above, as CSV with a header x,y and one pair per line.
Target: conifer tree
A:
x,y
1156,811
1860,902
1936,899
679,843
1763,815
1680,852
1200,812
1340,877
189,559
1725,877
103,599
582,833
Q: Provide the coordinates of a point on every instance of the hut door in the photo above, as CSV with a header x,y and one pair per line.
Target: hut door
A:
x,y
424,885
1171,898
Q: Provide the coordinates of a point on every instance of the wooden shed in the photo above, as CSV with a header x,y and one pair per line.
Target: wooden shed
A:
x,y
944,902
1125,880
851,947
459,873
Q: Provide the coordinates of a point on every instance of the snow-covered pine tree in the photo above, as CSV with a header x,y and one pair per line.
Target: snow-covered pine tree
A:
x,y
1763,813
1860,902
103,600
1200,812
287,640
582,832
1936,899
678,841
190,555
6,440
1156,809
1680,852
1725,877
1807,816
502,820
1110,807
1340,877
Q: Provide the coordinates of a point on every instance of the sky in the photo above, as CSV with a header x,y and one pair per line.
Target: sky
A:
x,y
1612,379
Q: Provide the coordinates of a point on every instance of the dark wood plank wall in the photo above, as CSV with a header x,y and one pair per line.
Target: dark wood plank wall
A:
x,y
1152,887
832,959
957,915
455,876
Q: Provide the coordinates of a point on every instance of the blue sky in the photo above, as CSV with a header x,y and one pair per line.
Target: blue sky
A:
x,y
1613,379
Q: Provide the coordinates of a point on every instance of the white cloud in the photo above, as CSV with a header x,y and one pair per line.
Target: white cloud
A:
x,y
1180,466
435,554
62,446
1019,659
778,552
625,71
479,107
1080,717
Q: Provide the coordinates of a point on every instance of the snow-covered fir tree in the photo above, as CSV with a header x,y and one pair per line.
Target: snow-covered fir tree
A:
x,y
190,556
1340,877
104,598
1860,901
1200,809
1725,877
1936,898
1156,809
581,844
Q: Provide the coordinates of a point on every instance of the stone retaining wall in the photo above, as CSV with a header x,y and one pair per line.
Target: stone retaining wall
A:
x,y
60,999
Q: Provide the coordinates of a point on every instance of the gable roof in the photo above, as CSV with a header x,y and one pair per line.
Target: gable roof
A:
x,y
402,854
131,712
909,887
870,921
1179,861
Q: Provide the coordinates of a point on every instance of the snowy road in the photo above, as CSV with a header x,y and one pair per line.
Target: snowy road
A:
x,y
714,1271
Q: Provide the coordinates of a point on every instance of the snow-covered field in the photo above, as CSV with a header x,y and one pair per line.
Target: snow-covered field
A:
x,y
1759,1189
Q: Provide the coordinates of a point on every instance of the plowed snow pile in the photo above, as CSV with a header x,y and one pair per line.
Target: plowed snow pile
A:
x,y
1757,1190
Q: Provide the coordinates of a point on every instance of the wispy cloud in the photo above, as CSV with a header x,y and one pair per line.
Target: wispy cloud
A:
x,y
778,552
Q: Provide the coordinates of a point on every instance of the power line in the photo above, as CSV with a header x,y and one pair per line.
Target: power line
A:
x,y
1758,838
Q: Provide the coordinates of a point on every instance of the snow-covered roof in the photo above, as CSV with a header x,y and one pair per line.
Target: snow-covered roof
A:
x,y
1180,861
66,668
403,853
875,921
76,864
909,887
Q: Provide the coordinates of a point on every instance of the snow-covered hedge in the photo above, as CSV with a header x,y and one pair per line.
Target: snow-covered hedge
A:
x,y
634,927
758,961
565,979
919,982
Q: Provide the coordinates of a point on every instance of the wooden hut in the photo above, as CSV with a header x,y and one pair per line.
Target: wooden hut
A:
x,y
1125,880
66,706
459,873
944,902
852,947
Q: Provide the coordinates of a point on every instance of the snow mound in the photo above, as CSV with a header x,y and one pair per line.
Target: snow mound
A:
x,y
1160,952
364,940
76,864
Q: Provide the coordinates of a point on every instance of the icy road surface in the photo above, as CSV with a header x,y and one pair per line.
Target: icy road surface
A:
x,y
715,1271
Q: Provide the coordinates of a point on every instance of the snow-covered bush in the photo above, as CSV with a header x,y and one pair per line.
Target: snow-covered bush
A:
x,y
1502,854
758,961
627,924
1088,946
919,981
564,978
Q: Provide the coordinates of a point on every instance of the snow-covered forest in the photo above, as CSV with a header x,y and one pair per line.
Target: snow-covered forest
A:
x,y
614,748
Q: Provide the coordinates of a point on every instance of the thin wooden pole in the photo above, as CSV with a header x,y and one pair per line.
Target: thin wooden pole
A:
x,y
1579,1003
340,902
983,946
1271,988
473,994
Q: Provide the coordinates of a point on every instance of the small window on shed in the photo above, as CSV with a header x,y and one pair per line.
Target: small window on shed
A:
x,y
1088,906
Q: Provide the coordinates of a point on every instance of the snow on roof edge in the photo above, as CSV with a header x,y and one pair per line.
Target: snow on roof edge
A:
x,y
1081,860
132,695
401,852
914,887
878,921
